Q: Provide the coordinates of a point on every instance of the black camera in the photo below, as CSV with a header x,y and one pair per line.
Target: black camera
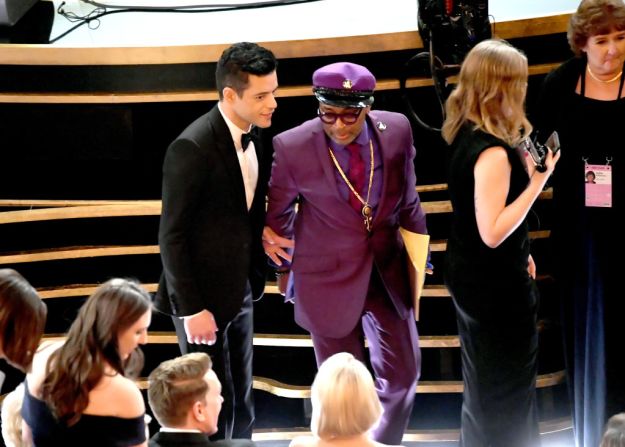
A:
x,y
538,151
454,27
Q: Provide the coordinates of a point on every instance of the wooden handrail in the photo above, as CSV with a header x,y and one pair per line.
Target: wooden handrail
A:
x,y
290,391
207,95
410,435
25,203
50,203
37,203
65,253
75,290
80,290
67,209
270,288
280,340
131,208
58,254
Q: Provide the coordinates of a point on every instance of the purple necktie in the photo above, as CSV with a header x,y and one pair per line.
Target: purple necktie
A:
x,y
356,175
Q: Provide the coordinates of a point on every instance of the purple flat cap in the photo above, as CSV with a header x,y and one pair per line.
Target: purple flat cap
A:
x,y
344,85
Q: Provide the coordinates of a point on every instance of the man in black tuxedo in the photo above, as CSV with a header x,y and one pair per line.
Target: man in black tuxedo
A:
x,y
184,394
215,177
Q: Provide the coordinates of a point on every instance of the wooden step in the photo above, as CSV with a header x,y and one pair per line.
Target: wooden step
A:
x,y
280,340
93,251
423,435
281,389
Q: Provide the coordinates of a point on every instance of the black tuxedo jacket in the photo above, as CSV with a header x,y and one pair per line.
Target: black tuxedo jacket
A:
x,y
167,439
210,244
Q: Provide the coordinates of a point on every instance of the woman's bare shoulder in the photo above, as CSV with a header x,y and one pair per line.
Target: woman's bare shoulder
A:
x,y
38,369
116,396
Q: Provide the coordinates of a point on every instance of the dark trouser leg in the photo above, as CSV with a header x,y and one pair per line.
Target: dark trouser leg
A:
x,y
326,347
217,353
396,361
232,362
240,346
499,347
395,358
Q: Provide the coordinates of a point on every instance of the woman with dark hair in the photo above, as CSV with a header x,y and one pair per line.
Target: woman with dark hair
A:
x,y
22,319
489,270
79,392
584,100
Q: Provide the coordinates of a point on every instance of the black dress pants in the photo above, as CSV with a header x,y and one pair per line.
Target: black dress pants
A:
x,y
232,362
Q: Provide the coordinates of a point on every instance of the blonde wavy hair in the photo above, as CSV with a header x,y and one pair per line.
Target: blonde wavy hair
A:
x,y
490,93
344,399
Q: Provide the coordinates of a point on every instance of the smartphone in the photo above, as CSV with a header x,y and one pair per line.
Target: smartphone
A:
x,y
536,152
553,142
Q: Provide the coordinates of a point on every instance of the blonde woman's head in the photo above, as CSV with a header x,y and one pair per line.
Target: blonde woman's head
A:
x,y
490,94
344,399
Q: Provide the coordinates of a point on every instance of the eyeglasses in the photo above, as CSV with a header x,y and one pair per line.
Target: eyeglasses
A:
x,y
331,117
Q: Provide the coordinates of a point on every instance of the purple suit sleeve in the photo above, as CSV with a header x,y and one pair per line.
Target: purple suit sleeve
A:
x,y
282,193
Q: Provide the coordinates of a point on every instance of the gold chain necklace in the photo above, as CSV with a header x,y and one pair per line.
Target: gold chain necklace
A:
x,y
367,211
592,75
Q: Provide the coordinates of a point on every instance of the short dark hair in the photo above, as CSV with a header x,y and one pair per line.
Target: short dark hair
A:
x,y
594,17
175,385
240,60
22,319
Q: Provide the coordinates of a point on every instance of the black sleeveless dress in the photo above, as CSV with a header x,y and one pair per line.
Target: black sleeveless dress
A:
x,y
496,306
587,245
90,430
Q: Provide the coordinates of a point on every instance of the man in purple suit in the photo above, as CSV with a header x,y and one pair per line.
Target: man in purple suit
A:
x,y
351,172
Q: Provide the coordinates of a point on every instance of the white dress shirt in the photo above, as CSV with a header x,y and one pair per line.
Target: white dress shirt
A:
x,y
247,159
179,430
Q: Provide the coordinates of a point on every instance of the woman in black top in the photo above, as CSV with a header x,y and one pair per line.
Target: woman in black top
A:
x,y
584,100
78,392
489,270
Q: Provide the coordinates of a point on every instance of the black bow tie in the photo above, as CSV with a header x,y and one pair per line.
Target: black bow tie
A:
x,y
246,138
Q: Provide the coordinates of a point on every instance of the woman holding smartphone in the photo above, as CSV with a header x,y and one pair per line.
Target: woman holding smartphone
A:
x,y
489,270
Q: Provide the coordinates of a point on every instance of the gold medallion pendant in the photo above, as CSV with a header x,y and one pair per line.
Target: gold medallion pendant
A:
x,y
367,213
366,210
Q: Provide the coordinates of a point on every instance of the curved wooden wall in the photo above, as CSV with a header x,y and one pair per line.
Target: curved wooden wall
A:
x,y
19,54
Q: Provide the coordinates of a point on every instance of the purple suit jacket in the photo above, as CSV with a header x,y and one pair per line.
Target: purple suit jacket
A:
x,y
334,255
